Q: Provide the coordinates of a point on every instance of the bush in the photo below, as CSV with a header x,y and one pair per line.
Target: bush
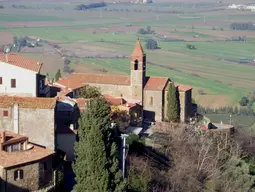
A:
x,y
244,101
151,44
191,47
145,31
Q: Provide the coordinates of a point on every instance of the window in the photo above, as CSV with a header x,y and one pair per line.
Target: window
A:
x,y
8,148
5,113
15,147
1,80
18,174
136,65
13,83
151,101
21,146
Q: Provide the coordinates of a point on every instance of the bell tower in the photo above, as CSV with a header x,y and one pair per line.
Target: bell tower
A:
x,y
137,71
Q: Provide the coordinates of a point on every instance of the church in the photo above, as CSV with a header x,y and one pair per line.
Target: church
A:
x,y
147,91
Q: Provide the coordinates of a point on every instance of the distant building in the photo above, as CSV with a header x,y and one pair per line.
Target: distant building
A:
x,y
23,165
20,76
147,91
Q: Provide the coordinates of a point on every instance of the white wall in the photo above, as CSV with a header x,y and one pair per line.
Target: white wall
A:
x,y
25,80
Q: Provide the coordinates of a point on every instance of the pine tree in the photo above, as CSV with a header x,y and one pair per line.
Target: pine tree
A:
x,y
96,166
58,75
172,105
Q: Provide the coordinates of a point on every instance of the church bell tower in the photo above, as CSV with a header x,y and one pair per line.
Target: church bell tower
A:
x,y
137,71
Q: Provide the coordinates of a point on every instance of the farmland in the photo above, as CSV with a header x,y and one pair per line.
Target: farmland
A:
x,y
103,38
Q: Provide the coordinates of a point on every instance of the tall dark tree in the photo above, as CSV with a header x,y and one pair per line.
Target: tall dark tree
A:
x,y
96,167
58,75
172,105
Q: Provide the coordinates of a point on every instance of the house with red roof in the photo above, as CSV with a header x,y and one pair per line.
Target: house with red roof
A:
x,y
138,88
24,166
21,76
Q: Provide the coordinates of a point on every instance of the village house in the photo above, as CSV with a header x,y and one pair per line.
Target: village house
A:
x,y
23,165
21,76
33,117
147,91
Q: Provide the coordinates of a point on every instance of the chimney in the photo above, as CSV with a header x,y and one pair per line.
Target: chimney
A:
x,y
2,135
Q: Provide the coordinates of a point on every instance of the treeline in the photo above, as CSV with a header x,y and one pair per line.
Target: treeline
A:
x,y
1,7
146,31
20,6
242,26
90,6
226,110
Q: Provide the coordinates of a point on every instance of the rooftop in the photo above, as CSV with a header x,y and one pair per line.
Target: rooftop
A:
x,y
156,83
77,80
10,159
138,51
7,138
20,61
180,87
28,102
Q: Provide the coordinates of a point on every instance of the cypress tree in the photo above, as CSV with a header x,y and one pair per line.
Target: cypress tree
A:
x,y
172,105
96,167
58,75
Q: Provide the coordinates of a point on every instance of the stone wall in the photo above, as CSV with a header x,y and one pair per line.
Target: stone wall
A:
x,y
6,123
37,124
153,103
34,176
114,90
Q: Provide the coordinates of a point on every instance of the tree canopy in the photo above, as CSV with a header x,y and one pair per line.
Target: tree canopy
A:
x,y
89,92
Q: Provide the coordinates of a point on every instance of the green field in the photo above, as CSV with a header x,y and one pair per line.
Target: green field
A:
x,y
114,31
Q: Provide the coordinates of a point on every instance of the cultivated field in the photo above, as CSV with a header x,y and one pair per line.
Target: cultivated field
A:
x,y
101,40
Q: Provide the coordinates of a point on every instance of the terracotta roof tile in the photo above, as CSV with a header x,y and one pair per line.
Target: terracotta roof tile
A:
x,y
179,86
114,100
138,51
156,83
77,80
20,61
28,102
9,159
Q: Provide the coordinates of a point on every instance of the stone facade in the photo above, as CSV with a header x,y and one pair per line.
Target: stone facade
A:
x,y
37,124
36,175
153,105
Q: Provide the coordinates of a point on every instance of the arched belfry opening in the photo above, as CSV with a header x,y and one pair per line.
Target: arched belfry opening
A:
x,y
136,65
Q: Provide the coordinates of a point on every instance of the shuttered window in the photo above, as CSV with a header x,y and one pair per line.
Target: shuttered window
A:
x,y
5,113
13,83
1,80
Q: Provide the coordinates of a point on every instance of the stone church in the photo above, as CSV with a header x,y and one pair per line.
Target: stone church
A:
x,y
147,91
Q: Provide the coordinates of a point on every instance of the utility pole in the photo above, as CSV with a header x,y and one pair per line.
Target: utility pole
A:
x,y
123,137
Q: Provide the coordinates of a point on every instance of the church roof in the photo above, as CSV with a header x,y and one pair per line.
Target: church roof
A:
x,y
179,86
156,83
77,80
138,51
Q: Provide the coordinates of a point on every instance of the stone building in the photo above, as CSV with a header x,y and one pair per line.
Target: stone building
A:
x,y
23,166
30,116
147,91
